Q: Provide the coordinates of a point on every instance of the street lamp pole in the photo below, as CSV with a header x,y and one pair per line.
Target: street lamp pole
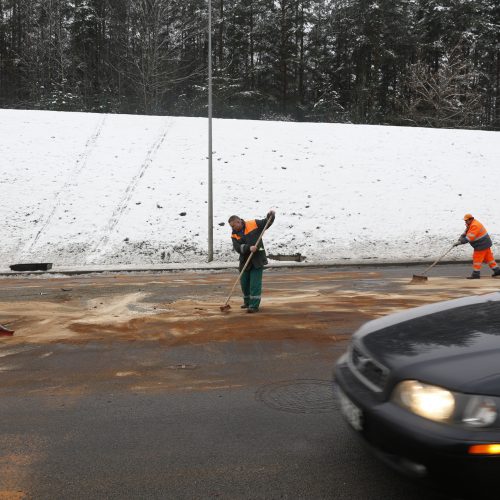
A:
x,y
210,189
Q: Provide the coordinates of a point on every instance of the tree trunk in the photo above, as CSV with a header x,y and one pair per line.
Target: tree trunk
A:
x,y
221,35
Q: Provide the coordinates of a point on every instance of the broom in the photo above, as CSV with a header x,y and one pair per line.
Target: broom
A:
x,y
421,278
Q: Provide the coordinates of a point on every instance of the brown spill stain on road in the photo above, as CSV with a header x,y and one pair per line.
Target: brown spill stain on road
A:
x,y
317,306
174,309
18,453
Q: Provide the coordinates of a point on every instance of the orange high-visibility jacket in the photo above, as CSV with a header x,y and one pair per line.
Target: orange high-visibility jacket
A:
x,y
477,236
247,237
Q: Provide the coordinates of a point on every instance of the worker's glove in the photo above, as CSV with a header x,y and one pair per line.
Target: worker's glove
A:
x,y
462,240
457,243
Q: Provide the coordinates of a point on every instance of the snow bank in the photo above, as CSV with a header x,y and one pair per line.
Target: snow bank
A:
x,y
88,189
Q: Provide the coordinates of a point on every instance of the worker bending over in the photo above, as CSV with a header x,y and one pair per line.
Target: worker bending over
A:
x,y
245,236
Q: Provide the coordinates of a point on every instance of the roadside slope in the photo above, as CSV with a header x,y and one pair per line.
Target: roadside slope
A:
x,y
89,189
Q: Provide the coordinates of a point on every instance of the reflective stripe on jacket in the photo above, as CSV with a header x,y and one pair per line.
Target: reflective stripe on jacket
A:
x,y
477,236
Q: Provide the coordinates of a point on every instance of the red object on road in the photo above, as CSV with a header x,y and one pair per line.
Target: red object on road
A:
x,y
5,332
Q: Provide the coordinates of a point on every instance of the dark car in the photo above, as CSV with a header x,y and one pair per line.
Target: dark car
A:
x,y
422,387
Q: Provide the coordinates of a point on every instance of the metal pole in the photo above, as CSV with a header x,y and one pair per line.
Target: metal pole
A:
x,y
210,191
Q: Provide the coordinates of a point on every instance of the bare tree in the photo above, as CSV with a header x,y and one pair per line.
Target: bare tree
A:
x,y
449,96
155,37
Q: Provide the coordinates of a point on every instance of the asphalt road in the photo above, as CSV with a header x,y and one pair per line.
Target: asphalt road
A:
x,y
136,386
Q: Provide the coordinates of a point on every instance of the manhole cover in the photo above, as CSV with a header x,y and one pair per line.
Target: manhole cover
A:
x,y
299,396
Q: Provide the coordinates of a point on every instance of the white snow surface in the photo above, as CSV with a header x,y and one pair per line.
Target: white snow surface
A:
x,y
81,189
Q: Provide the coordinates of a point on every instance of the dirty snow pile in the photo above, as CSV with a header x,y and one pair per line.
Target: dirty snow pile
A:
x,y
81,189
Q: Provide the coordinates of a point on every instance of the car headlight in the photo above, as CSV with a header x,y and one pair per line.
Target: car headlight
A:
x,y
428,401
442,405
480,411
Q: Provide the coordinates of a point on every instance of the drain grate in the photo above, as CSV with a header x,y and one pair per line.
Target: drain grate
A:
x,y
299,396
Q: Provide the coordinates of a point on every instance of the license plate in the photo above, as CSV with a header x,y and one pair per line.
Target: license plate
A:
x,y
351,412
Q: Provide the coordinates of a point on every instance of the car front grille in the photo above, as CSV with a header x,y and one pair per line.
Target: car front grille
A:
x,y
367,370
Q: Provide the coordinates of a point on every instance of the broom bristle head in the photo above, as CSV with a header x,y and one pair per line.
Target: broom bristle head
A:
x,y
418,279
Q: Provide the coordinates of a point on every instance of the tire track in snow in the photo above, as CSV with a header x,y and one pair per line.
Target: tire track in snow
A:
x,y
80,164
127,195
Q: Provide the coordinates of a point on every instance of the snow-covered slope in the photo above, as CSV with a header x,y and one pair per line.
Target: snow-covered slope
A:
x,y
81,189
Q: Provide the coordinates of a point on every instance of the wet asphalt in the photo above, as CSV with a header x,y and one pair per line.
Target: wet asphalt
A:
x,y
252,419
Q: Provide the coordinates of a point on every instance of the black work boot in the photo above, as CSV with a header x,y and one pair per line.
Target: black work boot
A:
x,y
244,306
474,276
496,272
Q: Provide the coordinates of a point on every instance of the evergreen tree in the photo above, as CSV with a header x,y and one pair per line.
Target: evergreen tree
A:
x,y
363,61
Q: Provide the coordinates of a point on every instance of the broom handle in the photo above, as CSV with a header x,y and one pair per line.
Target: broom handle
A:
x,y
248,261
438,259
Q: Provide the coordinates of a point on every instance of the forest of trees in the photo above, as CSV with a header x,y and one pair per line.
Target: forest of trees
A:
x,y
429,63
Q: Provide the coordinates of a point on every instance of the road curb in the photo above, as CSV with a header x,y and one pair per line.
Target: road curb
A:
x,y
224,266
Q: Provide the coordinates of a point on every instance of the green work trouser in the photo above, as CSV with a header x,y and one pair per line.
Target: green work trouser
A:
x,y
251,286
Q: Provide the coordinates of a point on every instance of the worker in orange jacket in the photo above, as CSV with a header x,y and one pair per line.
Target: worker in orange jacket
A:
x,y
245,235
475,234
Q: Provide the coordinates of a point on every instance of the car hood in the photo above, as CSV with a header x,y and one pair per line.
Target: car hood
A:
x,y
455,344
